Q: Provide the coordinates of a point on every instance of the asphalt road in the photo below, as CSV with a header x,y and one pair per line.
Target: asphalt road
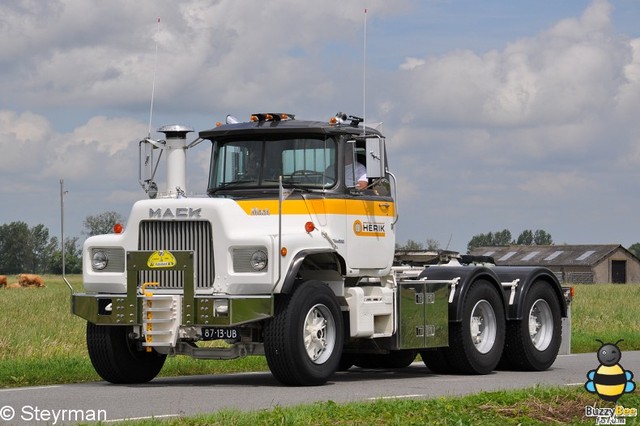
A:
x,y
186,396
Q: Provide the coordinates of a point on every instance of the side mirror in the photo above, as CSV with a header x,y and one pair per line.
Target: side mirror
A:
x,y
375,158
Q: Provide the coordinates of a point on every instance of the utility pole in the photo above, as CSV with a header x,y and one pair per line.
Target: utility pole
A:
x,y
62,194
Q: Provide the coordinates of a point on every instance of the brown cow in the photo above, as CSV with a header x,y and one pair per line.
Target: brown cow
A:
x,y
30,280
14,285
3,281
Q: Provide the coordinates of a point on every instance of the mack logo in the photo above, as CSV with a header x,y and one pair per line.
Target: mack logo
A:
x,y
259,212
179,213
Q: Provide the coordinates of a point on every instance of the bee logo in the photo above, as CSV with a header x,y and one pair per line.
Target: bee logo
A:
x,y
609,380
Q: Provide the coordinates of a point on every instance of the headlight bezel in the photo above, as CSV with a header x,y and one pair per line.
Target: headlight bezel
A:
x,y
252,259
259,260
99,260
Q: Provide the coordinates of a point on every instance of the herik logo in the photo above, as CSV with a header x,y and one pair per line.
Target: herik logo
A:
x,y
369,229
609,380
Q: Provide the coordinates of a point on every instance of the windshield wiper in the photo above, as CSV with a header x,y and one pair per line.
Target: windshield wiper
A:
x,y
226,185
288,184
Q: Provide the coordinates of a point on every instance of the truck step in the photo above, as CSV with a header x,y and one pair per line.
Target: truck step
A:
x,y
161,316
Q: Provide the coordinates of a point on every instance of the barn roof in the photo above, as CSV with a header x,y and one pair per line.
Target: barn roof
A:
x,y
553,255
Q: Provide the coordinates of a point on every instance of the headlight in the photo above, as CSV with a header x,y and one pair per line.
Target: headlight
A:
x,y
258,260
99,260
250,259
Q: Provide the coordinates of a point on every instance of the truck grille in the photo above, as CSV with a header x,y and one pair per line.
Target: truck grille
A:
x,y
179,235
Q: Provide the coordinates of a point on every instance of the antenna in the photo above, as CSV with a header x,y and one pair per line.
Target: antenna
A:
x,y
364,78
153,86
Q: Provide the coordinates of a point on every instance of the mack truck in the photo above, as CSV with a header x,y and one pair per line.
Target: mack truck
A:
x,y
290,255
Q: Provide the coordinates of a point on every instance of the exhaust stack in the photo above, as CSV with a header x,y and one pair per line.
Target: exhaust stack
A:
x,y
175,147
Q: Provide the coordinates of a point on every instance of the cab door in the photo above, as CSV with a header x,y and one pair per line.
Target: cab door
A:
x,y
370,234
371,212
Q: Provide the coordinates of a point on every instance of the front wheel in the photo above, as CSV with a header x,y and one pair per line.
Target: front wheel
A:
x,y
533,342
476,343
303,342
117,359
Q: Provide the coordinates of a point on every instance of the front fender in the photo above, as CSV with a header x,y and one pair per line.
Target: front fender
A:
x,y
337,265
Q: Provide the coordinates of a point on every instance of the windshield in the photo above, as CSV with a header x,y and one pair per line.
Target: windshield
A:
x,y
302,162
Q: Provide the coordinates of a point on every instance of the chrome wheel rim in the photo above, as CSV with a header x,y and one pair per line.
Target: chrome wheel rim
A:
x,y
319,333
483,326
540,324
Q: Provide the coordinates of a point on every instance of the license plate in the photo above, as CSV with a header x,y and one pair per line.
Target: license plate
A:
x,y
217,333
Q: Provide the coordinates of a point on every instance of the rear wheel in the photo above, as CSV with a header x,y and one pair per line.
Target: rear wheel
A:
x,y
117,359
476,343
436,360
533,342
303,342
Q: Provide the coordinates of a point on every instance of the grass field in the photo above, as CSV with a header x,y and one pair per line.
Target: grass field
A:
x,y
42,343
538,406
608,312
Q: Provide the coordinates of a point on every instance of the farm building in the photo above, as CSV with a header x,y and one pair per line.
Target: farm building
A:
x,y
609,263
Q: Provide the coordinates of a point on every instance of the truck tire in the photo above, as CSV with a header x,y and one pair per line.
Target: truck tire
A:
x,y
346,362
532,343
394,359
476,343
436,360
303,341
117,359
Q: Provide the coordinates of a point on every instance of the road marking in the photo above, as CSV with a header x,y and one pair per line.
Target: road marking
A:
x,y
397,397
127,419
29,388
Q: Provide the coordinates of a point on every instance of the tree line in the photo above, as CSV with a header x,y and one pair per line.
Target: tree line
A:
x,y
528,237
539,237
35,250
490,239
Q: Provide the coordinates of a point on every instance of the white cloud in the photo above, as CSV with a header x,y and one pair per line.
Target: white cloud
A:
x,y
543,184
412,63
475,136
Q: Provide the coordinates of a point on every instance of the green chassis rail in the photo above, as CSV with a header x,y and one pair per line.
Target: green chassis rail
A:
x,y
126,309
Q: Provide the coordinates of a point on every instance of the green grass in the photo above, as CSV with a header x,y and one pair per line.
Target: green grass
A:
x,y
608,312
536,406
42,343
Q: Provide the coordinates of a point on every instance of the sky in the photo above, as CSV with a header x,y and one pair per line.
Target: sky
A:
x,y
521,114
